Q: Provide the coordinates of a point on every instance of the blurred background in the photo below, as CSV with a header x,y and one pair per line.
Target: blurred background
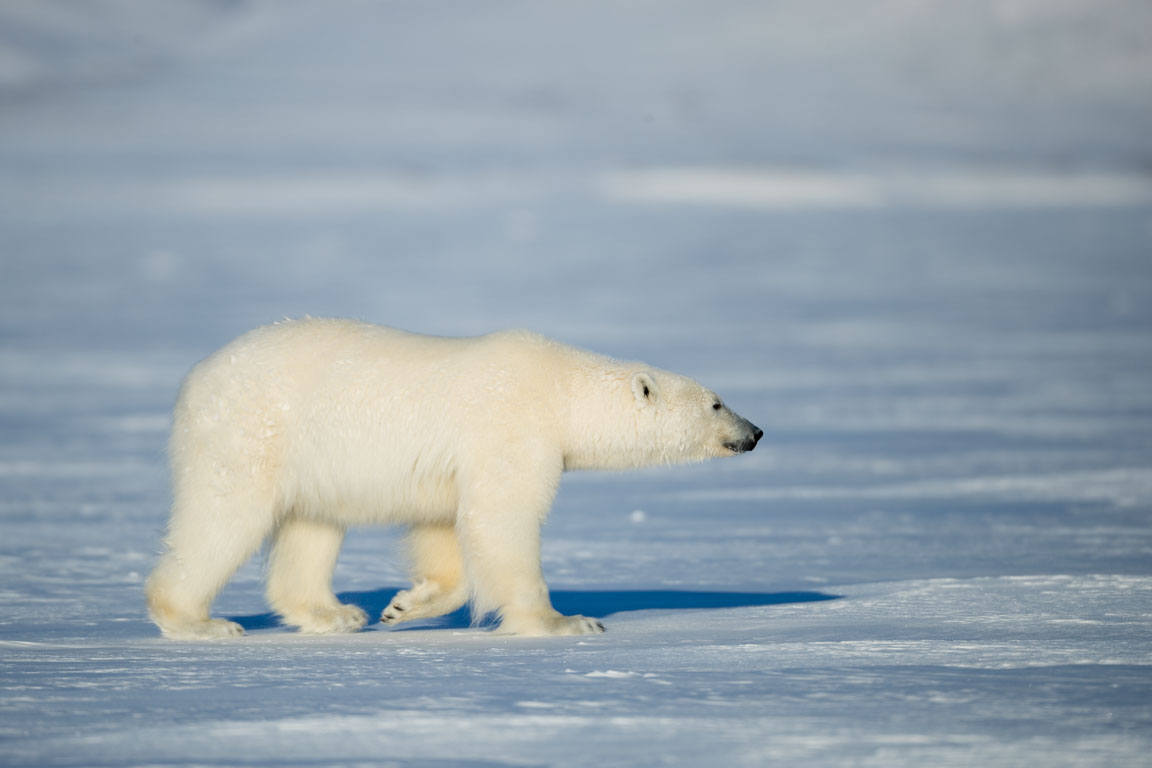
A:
x,y
909,239
623,173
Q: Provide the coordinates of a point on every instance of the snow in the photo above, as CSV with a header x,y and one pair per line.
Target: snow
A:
x,y
912,245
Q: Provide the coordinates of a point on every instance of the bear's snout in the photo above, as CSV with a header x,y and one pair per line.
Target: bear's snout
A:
x,y
748,442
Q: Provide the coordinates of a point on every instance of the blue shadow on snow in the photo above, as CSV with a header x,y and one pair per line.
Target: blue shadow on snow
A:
x,y
595,603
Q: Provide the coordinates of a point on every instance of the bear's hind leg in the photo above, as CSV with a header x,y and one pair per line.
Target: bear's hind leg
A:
x,y
299,578
438,585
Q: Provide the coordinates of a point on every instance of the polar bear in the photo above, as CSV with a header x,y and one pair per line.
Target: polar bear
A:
x,y
298,429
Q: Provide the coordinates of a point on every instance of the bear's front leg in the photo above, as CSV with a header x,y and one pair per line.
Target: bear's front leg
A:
x,y
499,530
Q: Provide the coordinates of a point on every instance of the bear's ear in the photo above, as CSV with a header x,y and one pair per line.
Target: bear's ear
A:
x,y
644,388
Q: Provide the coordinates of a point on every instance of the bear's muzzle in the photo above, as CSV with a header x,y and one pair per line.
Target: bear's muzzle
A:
x,y
751,438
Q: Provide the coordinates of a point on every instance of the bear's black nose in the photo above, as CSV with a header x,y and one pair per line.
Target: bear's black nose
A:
x,y
756,435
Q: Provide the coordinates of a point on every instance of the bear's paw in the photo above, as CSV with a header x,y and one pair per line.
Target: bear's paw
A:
x,y
327,621
547,626
425,600
210,629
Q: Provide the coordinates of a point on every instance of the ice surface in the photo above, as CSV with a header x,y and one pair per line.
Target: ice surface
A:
x,y
911,242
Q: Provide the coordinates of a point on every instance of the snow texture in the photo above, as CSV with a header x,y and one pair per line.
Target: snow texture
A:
x,y
911,241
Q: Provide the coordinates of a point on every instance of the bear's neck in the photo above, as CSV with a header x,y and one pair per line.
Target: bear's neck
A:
x,y
601,430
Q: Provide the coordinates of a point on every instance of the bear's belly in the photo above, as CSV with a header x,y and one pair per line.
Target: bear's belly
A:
x,y
356,490
375,505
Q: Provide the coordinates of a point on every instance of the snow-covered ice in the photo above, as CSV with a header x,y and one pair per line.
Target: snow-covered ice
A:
x,y
914,244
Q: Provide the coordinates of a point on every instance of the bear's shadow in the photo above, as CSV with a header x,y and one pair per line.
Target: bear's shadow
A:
x,y
597,604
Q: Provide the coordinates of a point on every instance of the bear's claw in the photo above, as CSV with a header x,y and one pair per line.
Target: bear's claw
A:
x,y
424,600
391,614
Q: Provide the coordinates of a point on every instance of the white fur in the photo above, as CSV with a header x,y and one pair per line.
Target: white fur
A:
x,y
296,430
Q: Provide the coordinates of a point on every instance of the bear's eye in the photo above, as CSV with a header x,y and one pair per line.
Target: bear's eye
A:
x,y
716,406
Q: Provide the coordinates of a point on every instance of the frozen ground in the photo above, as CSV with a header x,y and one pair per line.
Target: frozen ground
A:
x,y
912,242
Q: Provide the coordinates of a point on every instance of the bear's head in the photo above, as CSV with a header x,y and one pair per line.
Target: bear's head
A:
x,y
679,420
621,415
